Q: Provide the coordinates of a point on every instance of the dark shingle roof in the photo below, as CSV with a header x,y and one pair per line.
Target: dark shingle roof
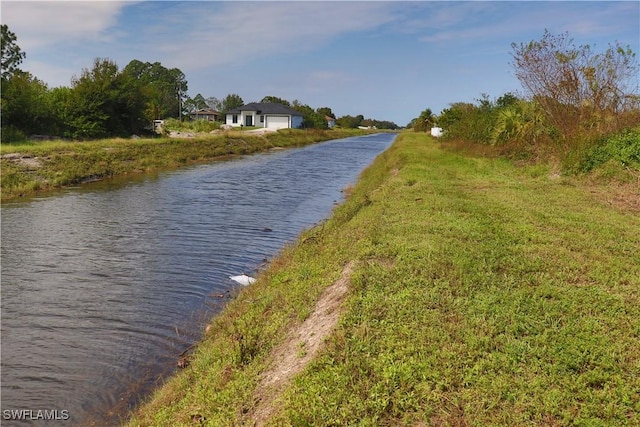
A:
x,y
266,108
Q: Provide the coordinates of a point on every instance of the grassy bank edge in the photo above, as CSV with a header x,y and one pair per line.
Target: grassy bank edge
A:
x,y
37,167
467,307
236,347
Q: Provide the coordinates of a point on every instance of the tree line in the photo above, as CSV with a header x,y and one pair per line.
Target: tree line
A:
x,y
107,101
573,99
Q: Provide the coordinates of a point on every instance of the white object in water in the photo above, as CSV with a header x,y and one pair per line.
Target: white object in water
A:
x,y
243,279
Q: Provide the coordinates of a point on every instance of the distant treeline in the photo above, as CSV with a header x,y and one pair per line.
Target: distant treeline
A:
x,y
106,101
577,105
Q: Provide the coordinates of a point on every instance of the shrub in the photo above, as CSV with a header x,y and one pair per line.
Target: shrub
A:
x,y
622,148
194,126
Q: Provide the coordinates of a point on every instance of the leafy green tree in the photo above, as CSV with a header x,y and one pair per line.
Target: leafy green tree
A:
x,y
453,119
230,102
194,104
350,122
105,102
25,110
384,124
11,54
275,99
468,122
310,118
425,121
59,102
506,100
200,102
164,89
325,112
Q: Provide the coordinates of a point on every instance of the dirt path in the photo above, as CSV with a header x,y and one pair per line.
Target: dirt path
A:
x,y
299,348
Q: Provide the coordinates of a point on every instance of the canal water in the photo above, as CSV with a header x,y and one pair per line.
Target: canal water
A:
x,y
104,286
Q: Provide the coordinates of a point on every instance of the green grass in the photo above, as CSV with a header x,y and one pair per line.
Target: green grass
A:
x,y
68,163
483,295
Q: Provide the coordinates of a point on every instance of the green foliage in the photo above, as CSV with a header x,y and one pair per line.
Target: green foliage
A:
x,y
350,122
11,134
576,97
163,89
424,122
325,112
310,117
275,99
622,148
198,126
25,106
194,104
105,102
11,55
519,121
468,122
231,102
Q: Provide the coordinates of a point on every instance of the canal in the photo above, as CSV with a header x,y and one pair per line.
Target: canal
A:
x,y
105,285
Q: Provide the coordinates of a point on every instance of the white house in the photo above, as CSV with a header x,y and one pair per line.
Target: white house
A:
x,y
436,131
268,115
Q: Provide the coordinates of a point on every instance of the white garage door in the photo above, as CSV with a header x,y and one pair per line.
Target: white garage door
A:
x,y
277,122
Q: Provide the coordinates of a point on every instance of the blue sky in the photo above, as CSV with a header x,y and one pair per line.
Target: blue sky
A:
x,y
384,60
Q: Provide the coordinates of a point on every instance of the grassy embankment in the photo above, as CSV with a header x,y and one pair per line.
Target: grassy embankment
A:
x,y
41,166
482,294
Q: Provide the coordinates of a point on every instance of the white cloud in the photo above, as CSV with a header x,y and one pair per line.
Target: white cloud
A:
x,y
466,23
47,23
226,33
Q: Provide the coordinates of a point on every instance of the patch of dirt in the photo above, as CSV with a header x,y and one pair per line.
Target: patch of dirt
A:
x,y
260,131
301,345
178,134
24,160
621,196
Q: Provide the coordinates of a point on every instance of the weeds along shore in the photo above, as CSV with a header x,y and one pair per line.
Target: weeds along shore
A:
x,y
36,167
477,293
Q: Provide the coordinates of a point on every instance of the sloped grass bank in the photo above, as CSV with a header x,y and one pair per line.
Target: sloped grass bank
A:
x,y
32,167
481,294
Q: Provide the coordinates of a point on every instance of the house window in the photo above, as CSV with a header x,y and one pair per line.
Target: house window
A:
x,y
234,118
262,118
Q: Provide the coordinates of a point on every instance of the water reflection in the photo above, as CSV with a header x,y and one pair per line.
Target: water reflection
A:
x,y
104,286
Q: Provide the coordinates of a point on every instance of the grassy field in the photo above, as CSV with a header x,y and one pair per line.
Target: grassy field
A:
x,y
35,167
480,294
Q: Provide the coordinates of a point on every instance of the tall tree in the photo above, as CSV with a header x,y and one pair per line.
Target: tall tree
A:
x,y
11,53
105,102
310,118
230,102
165,89
194,104
24,107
